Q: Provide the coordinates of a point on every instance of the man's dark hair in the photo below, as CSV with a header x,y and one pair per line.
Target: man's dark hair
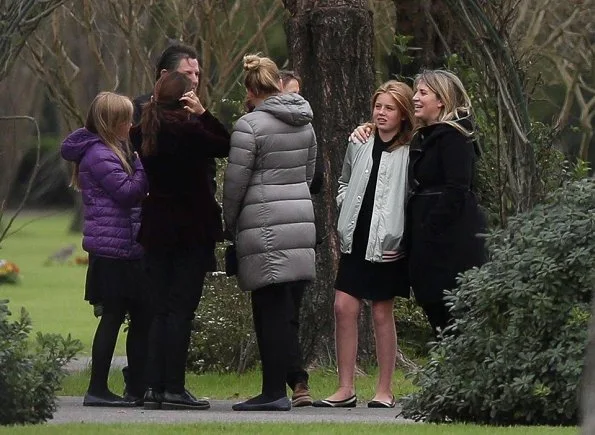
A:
x,y
172,56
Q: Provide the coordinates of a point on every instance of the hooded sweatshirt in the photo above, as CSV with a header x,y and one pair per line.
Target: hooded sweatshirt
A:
x,y
111,196
266,199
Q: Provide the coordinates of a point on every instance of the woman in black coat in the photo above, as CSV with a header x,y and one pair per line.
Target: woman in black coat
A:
x,y
180,224
444,220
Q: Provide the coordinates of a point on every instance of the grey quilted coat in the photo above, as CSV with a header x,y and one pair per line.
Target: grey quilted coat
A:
x,y
266,199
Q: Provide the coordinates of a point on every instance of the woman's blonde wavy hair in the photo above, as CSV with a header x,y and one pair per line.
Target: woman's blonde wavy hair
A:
x,y
403,96
450,91
261,75
107,112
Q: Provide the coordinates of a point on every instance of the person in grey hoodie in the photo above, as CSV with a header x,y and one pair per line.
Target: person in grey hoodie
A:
x,y
269,215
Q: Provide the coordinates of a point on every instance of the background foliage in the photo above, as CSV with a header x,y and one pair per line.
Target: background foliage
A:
x,y
515,353
31,373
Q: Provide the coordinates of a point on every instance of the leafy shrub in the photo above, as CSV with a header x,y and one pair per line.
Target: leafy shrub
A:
x,y
515,352
30,374
223,337
413,328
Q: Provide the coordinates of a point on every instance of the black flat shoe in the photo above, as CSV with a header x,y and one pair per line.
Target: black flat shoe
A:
x,y
111,401
282,404
350,402
183,401
133,400
381,404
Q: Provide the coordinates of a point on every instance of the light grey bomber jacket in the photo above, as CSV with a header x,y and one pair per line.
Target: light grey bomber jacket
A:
x,y
266,198
388,215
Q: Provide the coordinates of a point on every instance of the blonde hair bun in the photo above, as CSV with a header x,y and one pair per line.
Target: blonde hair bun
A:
x,y
251,62
261,75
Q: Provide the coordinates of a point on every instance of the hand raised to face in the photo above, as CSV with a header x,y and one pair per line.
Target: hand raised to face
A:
x,y
192,103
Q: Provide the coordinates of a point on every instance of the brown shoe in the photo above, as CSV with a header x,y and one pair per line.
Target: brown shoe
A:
x,y
301,395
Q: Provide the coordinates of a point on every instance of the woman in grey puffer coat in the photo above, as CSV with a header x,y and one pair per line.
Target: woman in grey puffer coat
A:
x,y
269,215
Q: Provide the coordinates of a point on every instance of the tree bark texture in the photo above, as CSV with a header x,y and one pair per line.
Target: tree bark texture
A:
x,y
331,47
430,25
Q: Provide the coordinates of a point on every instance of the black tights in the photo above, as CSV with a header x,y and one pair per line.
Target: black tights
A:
x,y
104,344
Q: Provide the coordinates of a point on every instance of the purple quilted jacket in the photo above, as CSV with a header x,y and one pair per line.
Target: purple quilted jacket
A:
x,y
111,197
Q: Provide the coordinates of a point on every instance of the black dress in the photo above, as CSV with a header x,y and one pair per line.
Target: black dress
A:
x,y
358,277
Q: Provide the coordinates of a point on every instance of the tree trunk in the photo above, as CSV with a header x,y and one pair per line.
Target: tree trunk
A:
x,y
430,25
331,47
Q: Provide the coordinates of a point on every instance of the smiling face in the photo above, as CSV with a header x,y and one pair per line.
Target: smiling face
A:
x,y
386,115
426,104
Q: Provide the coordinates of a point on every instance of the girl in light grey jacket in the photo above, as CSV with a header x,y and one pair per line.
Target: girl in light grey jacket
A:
x,y
269,215
372,190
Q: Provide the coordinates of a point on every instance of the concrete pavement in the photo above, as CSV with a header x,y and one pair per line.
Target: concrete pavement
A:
x,y
71,410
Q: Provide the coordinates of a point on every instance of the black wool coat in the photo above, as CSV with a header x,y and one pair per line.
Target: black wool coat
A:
x,y
181,211
443,218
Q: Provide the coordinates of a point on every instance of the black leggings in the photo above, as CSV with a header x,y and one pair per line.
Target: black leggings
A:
x,y
273,313
295,366
104,343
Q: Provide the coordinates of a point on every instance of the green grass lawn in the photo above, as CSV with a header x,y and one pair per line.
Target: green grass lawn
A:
x,y
282,429
52,294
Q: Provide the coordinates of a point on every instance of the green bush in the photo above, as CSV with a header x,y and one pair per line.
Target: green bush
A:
x,y
413,328
515,352
30,374
223,335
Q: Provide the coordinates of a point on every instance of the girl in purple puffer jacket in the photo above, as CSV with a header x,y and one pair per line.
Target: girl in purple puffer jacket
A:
x,y
112,181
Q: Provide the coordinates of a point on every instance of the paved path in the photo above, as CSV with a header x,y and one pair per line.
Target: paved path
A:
x,y
71,410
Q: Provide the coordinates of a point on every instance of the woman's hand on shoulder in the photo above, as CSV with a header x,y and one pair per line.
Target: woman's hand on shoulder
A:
x,y
362,133
192,103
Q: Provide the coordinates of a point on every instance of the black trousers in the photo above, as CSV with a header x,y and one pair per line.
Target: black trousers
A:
x,y
177,280
438,315
273,312
120,286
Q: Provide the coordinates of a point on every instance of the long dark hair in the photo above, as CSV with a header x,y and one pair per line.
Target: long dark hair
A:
x,y
165,107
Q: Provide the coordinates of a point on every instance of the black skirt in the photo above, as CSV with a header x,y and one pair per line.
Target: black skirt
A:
x,y
372,281
113,279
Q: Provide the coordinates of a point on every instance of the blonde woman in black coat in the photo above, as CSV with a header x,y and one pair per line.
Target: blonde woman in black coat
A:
x,y
443,218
